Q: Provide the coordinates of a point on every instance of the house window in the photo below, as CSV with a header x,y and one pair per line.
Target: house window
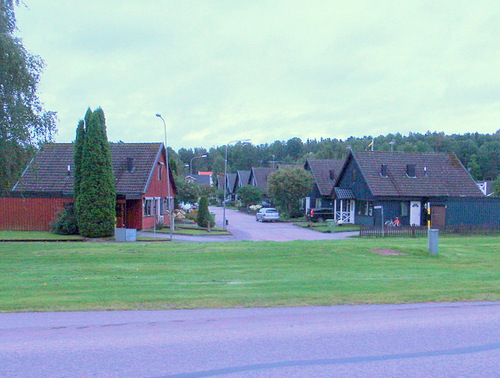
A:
x,y
353,175
411,170
364,208
383,170
160,168
147,207
405,209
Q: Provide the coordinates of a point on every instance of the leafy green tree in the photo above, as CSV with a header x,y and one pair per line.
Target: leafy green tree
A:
x,y
287,186
294,147
210,192
187,191
204,214
96,197
488,158
250,195
24,124
496,186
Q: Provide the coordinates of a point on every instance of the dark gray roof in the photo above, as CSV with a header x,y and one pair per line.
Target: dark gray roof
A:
x,y
436,174
242,178
231,180
325,172
48,171
258,177
200,179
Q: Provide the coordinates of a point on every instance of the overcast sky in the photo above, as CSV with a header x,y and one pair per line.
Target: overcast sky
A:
x,y
219,70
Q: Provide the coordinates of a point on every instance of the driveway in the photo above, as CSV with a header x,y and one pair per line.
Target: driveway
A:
x,y
244,227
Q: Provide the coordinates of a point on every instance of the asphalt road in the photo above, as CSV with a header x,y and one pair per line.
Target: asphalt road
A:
x,y
244,227
418,340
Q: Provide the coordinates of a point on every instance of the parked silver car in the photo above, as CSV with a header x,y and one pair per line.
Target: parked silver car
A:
x,y
267,214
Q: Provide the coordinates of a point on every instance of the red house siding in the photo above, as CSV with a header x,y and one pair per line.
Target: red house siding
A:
x,y
35,208
34,214
157,188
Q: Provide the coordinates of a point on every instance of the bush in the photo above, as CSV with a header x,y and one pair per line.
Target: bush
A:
x,y
65,222
204,214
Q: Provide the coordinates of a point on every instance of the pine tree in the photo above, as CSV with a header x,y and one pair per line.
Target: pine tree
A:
x,y
204,214
77,160
96,196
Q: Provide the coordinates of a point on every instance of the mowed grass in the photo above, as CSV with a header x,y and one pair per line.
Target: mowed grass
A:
x,y
36,235
112,276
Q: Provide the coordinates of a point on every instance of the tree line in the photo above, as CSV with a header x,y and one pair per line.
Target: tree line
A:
x,y
479,153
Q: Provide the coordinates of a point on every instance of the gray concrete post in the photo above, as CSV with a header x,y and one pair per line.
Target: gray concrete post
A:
x,y
433,241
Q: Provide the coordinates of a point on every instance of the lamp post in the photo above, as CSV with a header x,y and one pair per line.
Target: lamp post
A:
x,y
191,162
169,195
225,181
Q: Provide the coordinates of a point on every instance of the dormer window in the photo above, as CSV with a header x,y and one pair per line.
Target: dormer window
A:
x,y
130,165
383,170
411,171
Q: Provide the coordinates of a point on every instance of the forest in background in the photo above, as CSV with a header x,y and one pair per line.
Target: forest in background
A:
x,y
479,153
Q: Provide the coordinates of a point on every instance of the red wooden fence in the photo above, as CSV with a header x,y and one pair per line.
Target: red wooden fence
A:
x,y
29,214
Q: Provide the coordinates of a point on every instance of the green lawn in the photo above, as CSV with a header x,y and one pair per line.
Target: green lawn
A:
x,y
191,229
36,235
109,276
323,227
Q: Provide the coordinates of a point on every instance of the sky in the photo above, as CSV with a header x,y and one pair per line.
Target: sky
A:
x,y
223,70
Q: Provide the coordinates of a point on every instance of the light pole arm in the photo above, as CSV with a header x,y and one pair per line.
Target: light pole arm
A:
x,y
169,194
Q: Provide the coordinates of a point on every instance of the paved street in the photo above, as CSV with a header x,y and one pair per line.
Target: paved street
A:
x,y
416,340
244,227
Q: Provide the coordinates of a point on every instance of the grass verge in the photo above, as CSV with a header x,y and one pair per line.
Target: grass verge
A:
x,y
322,227
112,276
36,235
186,229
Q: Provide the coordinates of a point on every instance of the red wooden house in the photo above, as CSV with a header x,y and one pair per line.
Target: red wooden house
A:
x,y
46,186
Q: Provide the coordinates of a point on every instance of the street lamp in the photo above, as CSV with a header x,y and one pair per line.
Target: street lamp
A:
x,y
225,181
169,195
191,162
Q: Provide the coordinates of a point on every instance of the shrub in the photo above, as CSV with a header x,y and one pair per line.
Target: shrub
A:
x,y
204,214
65,222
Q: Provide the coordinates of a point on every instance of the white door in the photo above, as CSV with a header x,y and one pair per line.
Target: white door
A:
x,y
415,213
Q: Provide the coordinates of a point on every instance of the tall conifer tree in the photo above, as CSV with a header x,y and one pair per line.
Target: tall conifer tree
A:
x,y
77,160
96,195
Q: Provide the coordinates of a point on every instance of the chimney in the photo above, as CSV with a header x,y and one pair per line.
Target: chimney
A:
x,y
130,165
410,170
383,170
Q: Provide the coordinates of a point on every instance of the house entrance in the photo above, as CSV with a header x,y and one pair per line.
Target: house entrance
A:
x,y
415,213
344,211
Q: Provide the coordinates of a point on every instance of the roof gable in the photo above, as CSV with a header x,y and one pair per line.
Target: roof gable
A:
x,y
415,174
258,177
243,178
324,172
133,164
